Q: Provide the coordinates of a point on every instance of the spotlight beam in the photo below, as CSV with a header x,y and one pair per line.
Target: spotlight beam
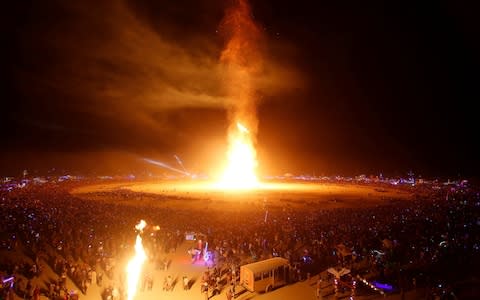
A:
x,y
180,163
164,165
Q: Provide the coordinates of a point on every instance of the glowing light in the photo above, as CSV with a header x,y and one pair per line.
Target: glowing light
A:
x,y
242,128
134,266
164,165
241,161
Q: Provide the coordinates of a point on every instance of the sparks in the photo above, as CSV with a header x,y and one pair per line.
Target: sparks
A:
x,y
134,267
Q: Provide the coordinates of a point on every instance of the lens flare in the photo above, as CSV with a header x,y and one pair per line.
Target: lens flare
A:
x,y
134,266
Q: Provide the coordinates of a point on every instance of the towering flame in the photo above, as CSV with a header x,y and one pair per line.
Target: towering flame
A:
x,y
241,164
134,267
242,60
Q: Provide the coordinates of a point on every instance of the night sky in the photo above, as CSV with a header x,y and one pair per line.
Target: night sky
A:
x,y
348,87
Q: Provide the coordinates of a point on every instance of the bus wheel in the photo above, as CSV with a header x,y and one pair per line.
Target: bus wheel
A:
x,y
268,289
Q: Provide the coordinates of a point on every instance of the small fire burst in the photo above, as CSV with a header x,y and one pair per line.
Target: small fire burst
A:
x,y
134,266
241,165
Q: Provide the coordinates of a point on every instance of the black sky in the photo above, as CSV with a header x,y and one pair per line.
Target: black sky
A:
x,y
350,87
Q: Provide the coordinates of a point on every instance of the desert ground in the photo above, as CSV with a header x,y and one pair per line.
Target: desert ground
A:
x,y
187,195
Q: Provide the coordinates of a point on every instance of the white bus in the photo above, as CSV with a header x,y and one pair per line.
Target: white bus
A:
x,y
265,275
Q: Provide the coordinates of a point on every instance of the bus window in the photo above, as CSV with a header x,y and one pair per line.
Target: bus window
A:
x,y
258,276
266,275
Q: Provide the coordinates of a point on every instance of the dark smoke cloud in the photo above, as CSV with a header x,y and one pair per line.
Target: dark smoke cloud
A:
x,y
134,76
108,56
121,62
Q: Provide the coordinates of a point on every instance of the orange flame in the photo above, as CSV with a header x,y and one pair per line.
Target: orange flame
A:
x,y
240,171
243,62
134,266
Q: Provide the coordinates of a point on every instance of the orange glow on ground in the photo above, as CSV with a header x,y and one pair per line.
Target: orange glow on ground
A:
x,y
209,186
196,194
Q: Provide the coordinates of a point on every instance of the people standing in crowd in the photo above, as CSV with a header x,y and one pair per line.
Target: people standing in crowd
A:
x,y
51,223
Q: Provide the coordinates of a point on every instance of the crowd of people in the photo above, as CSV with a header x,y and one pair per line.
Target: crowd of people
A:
x,y
417,242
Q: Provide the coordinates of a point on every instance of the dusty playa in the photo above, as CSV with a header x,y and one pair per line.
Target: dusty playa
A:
x,y
194,195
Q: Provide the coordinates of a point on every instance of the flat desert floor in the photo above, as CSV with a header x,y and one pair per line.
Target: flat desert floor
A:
x,y
187,195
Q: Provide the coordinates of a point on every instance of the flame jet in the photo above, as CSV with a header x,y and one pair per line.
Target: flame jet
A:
x,y
242,61
134,267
